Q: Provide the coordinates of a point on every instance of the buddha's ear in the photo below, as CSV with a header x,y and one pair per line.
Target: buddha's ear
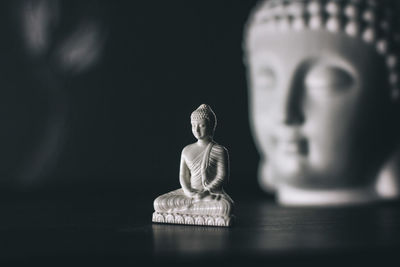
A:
x,y
388,182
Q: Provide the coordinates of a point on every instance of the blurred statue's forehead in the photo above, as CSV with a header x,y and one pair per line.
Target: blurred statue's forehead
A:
x,y
368,22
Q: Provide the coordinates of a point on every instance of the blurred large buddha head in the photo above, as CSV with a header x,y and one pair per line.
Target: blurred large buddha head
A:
x,y
324,96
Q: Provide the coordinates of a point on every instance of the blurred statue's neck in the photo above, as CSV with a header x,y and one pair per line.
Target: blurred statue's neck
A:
x,y
305,197
204,142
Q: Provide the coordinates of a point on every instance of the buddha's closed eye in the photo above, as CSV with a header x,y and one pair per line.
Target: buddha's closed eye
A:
x,y
328,79
266,78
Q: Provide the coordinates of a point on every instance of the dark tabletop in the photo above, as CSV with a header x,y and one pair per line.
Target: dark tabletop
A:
x,y
110,228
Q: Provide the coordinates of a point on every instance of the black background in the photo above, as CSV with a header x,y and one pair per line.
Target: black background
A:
x,y
126,119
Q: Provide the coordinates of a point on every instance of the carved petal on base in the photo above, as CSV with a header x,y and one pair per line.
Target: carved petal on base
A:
x,y
189,220
199,220
179,219
157,217
210,221
220,221
170,218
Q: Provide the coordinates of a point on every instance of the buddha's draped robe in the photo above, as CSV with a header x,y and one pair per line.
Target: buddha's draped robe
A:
x,y
208,171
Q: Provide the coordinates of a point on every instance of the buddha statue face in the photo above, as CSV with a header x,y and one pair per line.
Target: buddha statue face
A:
x,y
201,129
322,94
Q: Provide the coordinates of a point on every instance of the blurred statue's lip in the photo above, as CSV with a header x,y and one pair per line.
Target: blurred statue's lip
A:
x,y
294,144
290,147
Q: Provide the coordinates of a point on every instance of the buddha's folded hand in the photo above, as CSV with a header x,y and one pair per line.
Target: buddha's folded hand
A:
x,y
190,193
201,194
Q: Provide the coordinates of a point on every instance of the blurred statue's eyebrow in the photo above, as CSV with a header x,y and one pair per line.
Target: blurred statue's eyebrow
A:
x,y
328,76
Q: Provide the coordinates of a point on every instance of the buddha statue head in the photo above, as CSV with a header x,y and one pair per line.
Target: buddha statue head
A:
x,y
324,97
204,122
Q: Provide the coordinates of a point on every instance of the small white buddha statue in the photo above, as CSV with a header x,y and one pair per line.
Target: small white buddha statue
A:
x,y
324,99
204,169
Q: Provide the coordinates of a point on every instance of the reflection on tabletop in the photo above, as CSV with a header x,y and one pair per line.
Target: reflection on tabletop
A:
x,y
267,231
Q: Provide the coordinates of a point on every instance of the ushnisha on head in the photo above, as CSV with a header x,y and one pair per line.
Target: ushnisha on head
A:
x,y
205,113
373,21
324,97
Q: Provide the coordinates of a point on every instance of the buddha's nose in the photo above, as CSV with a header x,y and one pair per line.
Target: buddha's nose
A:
x,y
289,110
